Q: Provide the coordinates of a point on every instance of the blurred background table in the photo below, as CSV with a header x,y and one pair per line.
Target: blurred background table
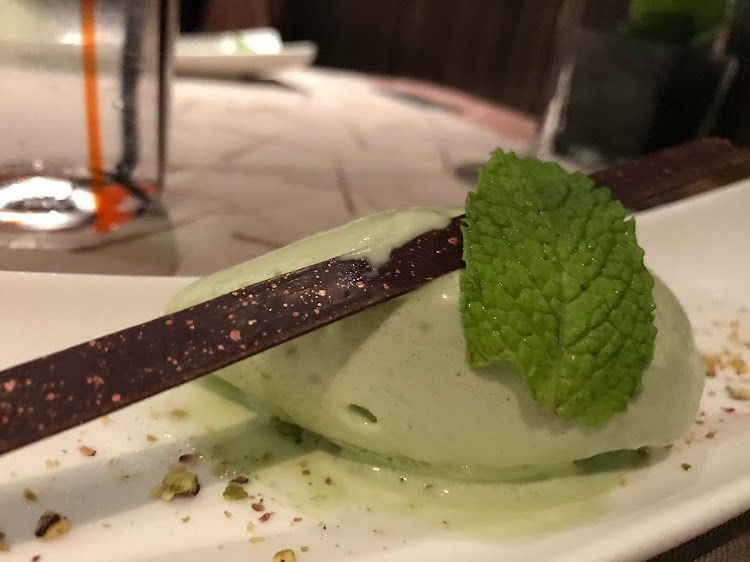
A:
x,y
256,165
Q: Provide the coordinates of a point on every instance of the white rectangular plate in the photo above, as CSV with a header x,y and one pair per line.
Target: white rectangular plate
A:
x,y
698,246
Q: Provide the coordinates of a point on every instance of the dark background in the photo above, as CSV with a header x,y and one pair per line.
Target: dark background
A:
x,y
502,50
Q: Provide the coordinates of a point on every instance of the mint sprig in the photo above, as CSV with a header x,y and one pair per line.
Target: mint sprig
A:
x,y
555,283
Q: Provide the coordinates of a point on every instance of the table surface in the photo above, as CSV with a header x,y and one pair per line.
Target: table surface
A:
x,y
256,165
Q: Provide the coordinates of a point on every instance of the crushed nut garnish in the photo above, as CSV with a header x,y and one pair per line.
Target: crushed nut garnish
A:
x,y
239,480
87,451
329,481
177,483
51,525
254,540
306,472
178,414
685,466
250,526
712,362
738,393
265,517
227,514
105,419
297,519
190,458
51,463
186,519
29,495
234,492
286,429
739,366
286,555
710,435
257,506
152,438
36,558
304,548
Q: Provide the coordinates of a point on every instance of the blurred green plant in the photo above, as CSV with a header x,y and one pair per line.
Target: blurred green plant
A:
x,y
684,22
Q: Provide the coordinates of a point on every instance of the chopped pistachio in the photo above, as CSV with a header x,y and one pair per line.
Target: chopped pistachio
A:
x,y
304,548
177,483
685,466
234,492
186,519
51,525
181,482
227,514
151,438
87,451
738,393
286,429
190,458
265,517
178,413
29,495
250,526
254,540
286,555
52,463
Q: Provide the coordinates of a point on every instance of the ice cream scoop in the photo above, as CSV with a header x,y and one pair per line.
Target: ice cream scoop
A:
x,y
392,382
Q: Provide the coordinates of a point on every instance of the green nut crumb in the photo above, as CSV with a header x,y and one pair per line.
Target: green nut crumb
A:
x,y
286,555
29,495
685,466
177,483
51,525
234,492
304,548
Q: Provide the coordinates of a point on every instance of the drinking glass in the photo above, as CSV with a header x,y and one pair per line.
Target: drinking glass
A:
x,y
85,90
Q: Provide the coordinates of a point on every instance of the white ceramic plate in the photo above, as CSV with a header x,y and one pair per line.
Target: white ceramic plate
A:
x,y
620,512
256,52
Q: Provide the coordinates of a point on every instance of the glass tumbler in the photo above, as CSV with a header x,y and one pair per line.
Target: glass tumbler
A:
x,y
84,90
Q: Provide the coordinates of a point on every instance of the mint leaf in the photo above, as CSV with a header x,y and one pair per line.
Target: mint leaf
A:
x,y
555,283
